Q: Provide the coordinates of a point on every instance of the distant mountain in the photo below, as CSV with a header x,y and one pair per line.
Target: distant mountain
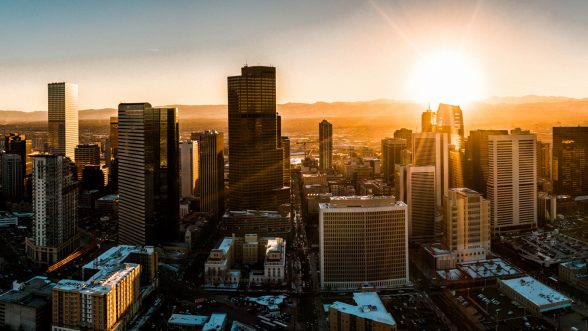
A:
x,y
509,112
528,99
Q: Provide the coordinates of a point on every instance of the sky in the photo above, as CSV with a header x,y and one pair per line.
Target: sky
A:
x,y
180,52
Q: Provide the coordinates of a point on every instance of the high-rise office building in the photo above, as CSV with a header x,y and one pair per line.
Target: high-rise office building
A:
x,y
256,179
148,173
286,163
432,149
112,155
477,157
55,197
211,169
466,226
512,182
363,240
449,119
15,143
458,171
391,154
570,160
325,145
63,119
405,134
86,154
428,121
543,159
188,167
11,177
416,185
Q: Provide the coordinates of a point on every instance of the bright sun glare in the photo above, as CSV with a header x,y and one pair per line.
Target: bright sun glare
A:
x,y
447,77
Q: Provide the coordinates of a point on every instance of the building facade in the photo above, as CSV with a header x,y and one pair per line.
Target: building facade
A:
x,y
255,154
86,154
63,119
466,227
363,240
431,149
512,182
570,160
55,202
188,167
391,155
211,185
148,173
325,145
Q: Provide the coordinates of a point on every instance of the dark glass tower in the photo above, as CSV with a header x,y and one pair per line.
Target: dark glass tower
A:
x,y
325,145
391,155
449,119
148,178
211,171
255,153
570,156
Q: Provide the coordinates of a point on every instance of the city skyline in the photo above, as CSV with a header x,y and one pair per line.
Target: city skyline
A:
x,y
386,39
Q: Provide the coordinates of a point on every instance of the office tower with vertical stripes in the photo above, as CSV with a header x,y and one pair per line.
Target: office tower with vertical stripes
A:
x,y
512,182
188,168
325,145
431,149
148,174
391,156
211,169
63,119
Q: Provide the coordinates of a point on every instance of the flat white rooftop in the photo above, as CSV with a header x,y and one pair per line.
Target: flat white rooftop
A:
x,y
187,320
369,306
537,293
361,201
117,255
216,322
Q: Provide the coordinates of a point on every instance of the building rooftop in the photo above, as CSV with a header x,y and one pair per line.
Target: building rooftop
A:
x,y
268,300
101,282
116,255
369,306
35,292
225,245
574,265
538,293
216,322
361,201
187,320
108,197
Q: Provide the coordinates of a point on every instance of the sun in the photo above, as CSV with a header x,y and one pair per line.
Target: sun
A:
x,y
448,77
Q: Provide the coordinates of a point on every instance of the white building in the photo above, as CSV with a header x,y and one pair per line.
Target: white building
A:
x,y
512,182
466,224
363,239
533,295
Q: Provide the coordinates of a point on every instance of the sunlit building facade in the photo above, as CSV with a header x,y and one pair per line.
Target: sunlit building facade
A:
x,y
512,182
391,154
63,119
188,167
570,160
363,240
211,185
432,149
325,145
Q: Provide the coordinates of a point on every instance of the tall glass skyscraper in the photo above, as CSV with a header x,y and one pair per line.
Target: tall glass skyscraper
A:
x,y
255,153
211,171
325,145
570,156
148,173
63,119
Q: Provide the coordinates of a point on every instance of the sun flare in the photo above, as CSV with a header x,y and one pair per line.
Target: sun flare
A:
x,y
448,77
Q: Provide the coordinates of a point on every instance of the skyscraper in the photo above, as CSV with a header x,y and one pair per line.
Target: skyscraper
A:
x,y
431,149
466,227
63,119
449,119
148,173
405,134
363,239
325,145
55,199
211,169
15,143
570,160
286,163
391,155
112,159
543,159
428,121
255,155
12,177
417,185
477,156
512,182
86,154
188,167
